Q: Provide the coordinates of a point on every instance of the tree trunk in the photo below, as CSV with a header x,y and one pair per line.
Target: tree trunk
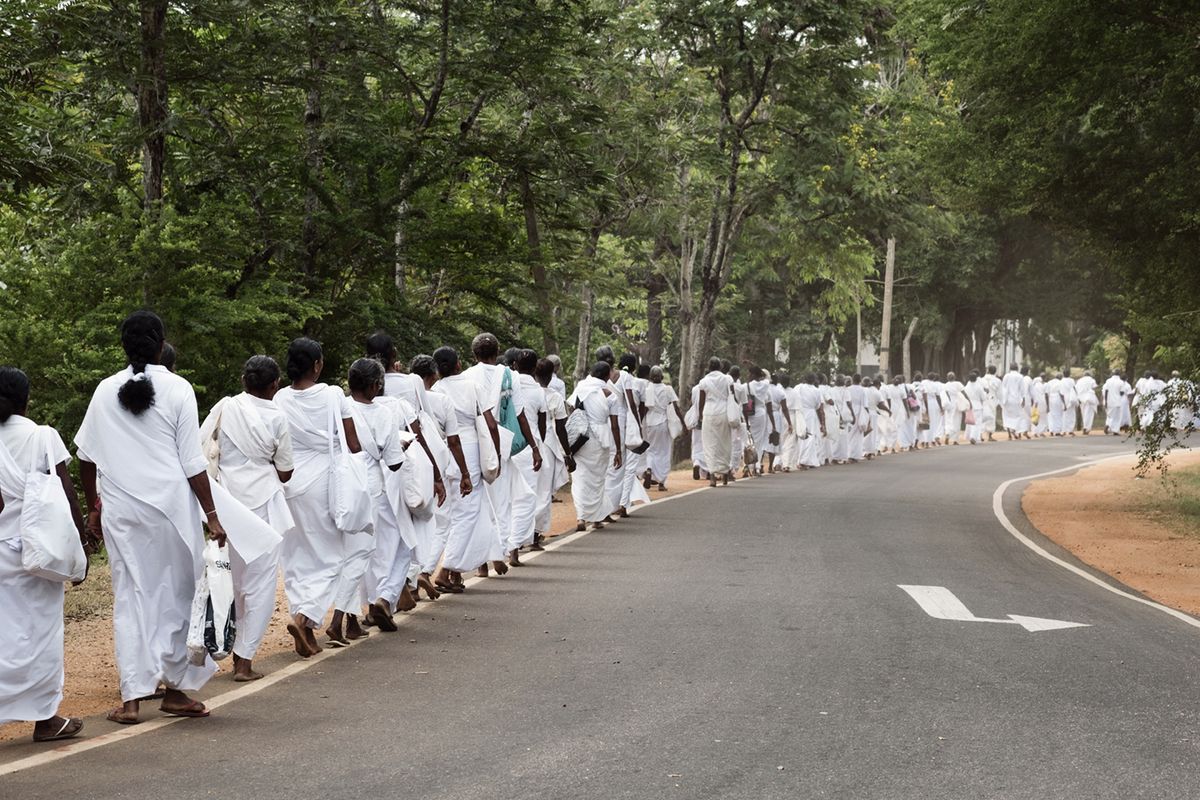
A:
x,y
885,333
541,286
314,155
400,244
583,344
655,286
152,100
687,262
912,326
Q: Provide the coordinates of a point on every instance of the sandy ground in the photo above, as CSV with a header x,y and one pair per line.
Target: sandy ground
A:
x,y
91,673
1143,531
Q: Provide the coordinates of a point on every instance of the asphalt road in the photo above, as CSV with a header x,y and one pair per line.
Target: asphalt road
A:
x,y
749,642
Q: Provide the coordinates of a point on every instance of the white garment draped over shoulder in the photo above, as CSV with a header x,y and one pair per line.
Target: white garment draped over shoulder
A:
x,y
31,625
152,526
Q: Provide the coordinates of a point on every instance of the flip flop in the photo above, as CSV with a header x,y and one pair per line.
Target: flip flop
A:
x,y
69,730
452,588
195,709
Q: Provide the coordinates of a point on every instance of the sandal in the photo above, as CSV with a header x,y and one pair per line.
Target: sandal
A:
x,y
70,729
119,716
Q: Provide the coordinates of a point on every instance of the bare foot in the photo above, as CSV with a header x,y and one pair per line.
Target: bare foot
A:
x,y
296,628
243,670
581,526
405,602
500,567
334,631
310,637
514,558
426,585
353,629
178,704
126,714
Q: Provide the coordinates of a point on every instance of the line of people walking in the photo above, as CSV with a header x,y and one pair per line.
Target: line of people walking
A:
x,y
366,498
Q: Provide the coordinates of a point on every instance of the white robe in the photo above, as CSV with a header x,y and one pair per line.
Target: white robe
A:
x,y
31,626
472,537
255,444
1015,402
660,401
717,432
553,474
593,459
313,550
152,527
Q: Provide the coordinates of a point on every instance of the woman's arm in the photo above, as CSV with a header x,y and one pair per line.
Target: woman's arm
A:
x,y
203,491
455,445
352,443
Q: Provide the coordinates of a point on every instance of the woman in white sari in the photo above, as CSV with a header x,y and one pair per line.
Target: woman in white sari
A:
x,y
661,403
31,628
141,435
557,462
248,438
601,450
442,421
471,537
385,577
312,551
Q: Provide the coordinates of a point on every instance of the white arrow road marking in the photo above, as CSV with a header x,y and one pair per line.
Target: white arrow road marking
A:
x,y
940,603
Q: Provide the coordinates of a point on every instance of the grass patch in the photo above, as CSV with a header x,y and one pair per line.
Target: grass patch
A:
x,y
1173,499
93,597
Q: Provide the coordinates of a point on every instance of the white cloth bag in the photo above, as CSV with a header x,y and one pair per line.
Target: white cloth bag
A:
x,y
50,541
350,502
633,431
418,481
213,626
489,459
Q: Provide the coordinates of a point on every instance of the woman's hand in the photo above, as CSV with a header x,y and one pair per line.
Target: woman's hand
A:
x,y
464,486
439,491
93,529
216,531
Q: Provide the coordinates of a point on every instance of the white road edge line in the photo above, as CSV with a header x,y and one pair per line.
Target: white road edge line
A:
x,y
998,510
225,698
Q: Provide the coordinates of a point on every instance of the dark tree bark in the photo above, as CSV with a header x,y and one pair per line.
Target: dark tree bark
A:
x,y
537,267
152,106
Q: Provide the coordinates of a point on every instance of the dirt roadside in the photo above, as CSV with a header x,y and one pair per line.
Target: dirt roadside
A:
x,y
1145,532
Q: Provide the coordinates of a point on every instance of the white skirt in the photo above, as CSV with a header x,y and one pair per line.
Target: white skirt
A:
x,y
31,642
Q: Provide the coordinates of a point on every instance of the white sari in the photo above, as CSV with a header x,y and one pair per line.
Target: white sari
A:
x,y
152,527
31,628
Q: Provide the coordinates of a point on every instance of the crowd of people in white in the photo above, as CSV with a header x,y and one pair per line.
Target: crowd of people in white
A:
x,y
372,497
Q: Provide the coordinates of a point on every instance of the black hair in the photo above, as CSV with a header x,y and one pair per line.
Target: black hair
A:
x,y
509,359
423,366
485,346
14,392
643,371
783,380
991,369
714,364
381,348
735,372
526,361
543,371
601,370
364,373
303,354
605,353
142,336
169,356
259,373
726,364
628,363
447,361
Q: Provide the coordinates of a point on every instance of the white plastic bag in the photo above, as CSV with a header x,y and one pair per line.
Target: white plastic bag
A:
x,y
50,541
349,498
213,626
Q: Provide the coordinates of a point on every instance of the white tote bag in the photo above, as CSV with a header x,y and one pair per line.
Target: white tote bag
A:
x,y
691,417
418,481
489,459
633,431
349,498
674,426
50,546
